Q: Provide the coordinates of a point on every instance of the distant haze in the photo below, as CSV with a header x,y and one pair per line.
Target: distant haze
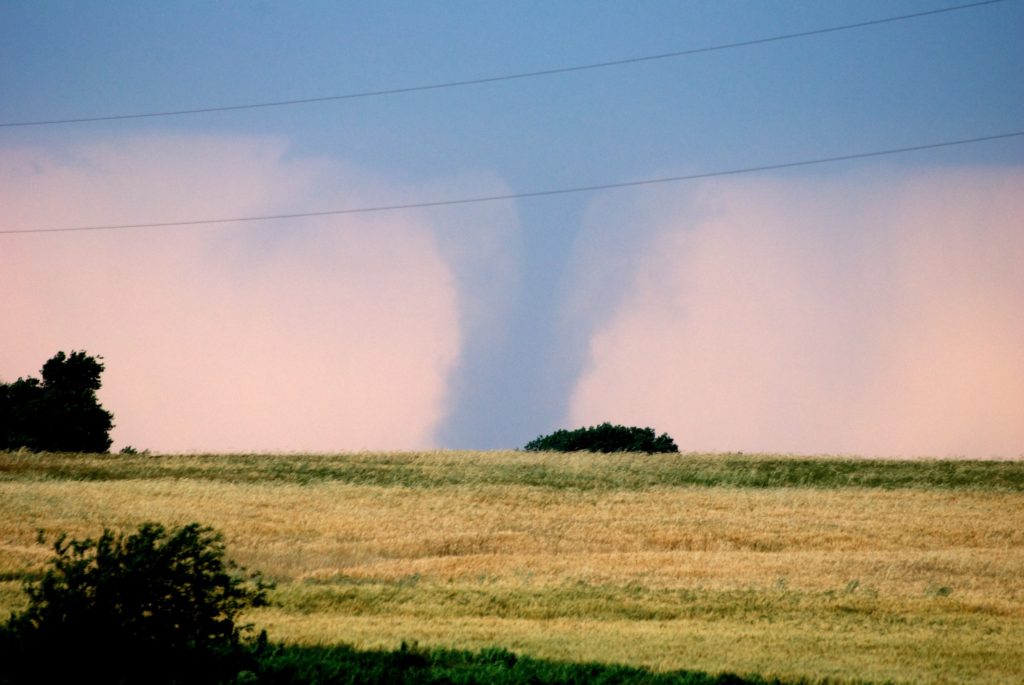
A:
x,y
874,314
864,297
342,336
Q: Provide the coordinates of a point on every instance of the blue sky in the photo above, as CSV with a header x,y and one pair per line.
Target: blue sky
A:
x,y
537,290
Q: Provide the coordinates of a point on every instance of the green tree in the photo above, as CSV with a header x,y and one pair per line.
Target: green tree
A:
x,y
59,414
604,438
20,413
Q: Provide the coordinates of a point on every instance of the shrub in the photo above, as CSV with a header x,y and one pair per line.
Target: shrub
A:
x,y
604,438
153,606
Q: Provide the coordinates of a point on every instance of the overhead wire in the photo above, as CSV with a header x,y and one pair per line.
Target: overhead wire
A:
x,y
523,195
505,77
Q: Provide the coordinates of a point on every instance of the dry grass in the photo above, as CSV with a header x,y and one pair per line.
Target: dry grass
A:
x,y
914,583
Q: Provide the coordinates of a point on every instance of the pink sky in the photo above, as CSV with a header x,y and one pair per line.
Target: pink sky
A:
x,y
874,314
877,313
329,334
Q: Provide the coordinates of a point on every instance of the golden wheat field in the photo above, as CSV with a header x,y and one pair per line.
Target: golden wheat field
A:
x,y
791,568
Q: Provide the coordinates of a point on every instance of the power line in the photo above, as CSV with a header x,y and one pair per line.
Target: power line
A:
x,y
524,195
507,77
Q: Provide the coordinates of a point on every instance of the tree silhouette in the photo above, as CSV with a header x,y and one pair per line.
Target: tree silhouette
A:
x,y
60,413
604,438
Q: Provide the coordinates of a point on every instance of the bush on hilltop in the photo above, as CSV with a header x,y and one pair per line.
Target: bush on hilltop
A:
x,y
604,438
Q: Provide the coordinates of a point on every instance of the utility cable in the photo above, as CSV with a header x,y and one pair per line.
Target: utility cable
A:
x,y
524,195
506,77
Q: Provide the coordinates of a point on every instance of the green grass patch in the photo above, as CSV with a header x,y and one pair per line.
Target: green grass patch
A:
x,y
287,664
578,471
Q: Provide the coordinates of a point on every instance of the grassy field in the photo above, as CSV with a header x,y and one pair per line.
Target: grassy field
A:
x,y
904,571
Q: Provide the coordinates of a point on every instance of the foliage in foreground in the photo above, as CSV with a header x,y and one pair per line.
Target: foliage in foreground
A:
x,y
604,438
59,413
343,665
130,608
160,606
